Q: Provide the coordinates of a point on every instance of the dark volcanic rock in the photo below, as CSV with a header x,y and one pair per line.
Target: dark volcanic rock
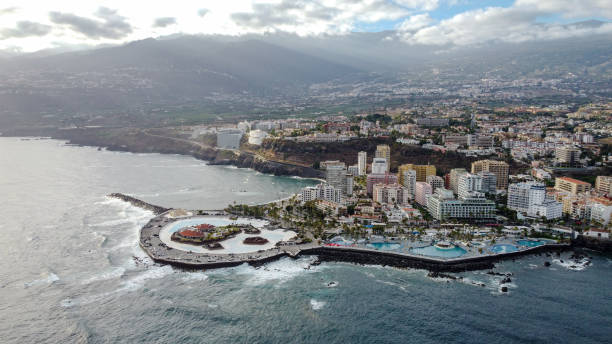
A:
x,y
255,241
214,246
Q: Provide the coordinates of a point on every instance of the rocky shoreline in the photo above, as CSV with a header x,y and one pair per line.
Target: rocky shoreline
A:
x,y
140,141
374,257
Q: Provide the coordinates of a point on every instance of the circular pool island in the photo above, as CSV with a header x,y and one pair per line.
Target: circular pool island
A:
x,y
235,244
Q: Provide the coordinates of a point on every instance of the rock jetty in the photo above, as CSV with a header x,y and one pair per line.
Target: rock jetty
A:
x,y
157,210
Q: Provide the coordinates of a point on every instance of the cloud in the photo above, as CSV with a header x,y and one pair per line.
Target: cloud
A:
x,y
8,10
110,24
570,8
25,29
164,21
425,5
314,17
202,12
518,23
415,22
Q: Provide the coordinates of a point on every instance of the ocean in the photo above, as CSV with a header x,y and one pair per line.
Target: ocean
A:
x,y
72,270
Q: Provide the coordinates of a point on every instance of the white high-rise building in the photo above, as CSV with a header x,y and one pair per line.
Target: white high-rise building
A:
x,y
468,183
362,163
335,175
522,196
256,137
436,182
549,209
349,184
379,166
384,151
408,180
389,193
422,193
530,198
443,206
489,182
454,178
322,191
229,138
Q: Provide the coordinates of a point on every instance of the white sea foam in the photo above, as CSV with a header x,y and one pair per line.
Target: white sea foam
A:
x,y
280,271
47,279
399,286
107,275
574,265
474,282
111,223
317,305
139,280
195,276
129,285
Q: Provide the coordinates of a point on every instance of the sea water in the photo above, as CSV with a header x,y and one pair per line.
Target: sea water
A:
x,y
72,270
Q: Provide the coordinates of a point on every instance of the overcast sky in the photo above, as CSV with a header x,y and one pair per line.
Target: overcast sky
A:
x,y
30,25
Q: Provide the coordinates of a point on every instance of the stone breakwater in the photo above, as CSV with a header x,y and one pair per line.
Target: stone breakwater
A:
x,y
139,203
402,260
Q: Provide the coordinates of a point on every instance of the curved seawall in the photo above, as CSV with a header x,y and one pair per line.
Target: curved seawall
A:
x,y
400,260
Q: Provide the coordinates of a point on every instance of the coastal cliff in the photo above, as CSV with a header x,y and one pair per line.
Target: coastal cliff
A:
x,y
137,140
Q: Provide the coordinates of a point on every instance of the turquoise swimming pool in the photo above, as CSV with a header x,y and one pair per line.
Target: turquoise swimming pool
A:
x,y
436,252
384,246
530,243
503,248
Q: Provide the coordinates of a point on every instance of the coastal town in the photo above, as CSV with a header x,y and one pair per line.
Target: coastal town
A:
x,y
505,184
542,171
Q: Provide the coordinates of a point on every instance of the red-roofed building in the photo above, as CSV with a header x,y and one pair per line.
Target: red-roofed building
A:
x,y
188,233
204,226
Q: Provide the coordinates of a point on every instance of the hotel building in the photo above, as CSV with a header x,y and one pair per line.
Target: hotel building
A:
x,y
499,168
390,194
362,163
435,182
422,171
384,151
443,206
603,184
571,185
422,193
